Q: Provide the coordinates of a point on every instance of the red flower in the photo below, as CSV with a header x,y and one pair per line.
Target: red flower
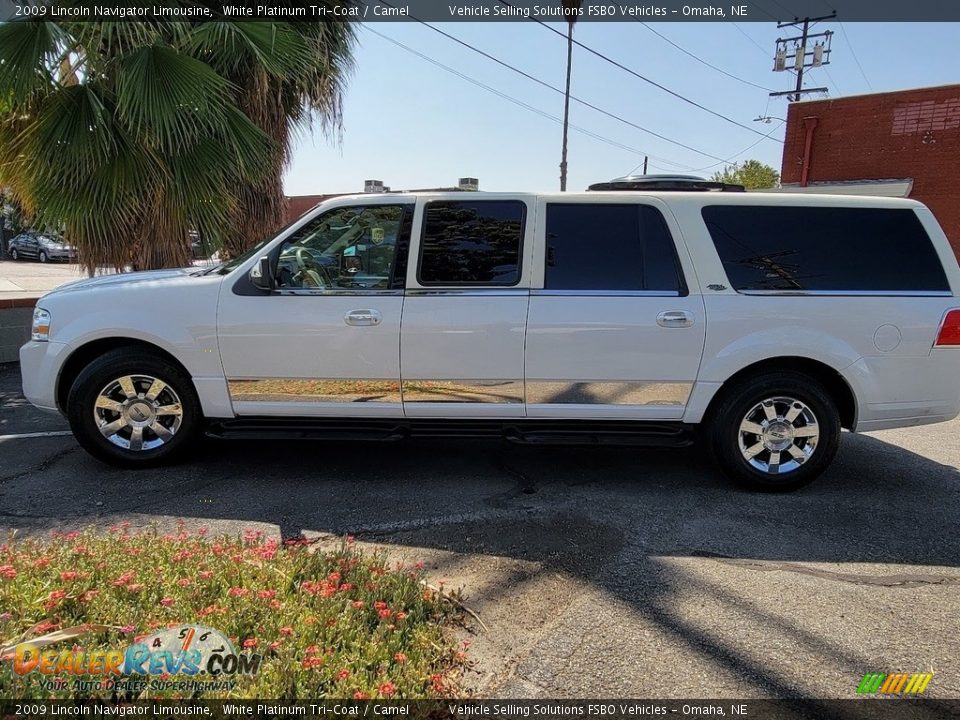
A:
x,y
184,582
8,571
437,682
134,551
202,531
312,662
166,602
384,613
69,575
40,563
358,604
360,696
206,574
334,577
400,657
400,615
57,595
124,579
288,631
88,595
135,587
266,594
275,604
182,555
380,605
237,592
274,645
250,643
342,674
387,689
312,650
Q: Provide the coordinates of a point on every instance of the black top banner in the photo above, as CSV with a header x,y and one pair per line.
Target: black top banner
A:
x,y
546,709
487,10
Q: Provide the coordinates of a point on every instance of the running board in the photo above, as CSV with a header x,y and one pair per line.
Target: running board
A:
x,y
522,431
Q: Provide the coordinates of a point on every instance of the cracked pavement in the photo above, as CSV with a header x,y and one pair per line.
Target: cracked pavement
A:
x,y
598,572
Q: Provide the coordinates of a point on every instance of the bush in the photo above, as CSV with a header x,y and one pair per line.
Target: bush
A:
x,y
335,624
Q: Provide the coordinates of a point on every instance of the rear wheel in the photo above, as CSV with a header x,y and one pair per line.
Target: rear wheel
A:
x,y
132,409
43,256
776,432
14,254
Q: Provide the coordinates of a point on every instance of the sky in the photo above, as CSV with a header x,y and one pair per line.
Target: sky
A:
x,y
413,124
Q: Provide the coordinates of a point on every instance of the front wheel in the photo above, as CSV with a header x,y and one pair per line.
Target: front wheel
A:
x,y
132,409
43,256
14,254
776,432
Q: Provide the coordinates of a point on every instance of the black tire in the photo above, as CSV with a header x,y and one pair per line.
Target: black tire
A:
x,y
137,364
723,432
42,257
14,254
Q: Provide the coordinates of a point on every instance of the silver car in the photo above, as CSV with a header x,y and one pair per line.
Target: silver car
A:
x,y
40,247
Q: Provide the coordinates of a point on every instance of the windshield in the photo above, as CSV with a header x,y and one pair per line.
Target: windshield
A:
x,y
236,262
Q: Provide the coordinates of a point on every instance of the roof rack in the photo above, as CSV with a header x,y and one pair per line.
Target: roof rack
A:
x,y
685,183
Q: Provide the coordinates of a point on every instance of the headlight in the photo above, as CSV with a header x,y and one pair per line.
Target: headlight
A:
x,y
41,325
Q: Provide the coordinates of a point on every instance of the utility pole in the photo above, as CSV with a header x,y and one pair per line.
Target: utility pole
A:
x,y
798,49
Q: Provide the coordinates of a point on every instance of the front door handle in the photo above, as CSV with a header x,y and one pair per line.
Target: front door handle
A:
x,y
675,319
363,317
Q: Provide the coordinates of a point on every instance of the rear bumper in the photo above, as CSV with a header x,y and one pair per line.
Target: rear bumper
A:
x,y
905,391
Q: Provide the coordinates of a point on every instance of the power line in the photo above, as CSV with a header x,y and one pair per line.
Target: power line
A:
x,y
558,90
855,58
701,60
748,37
518,102
736,155
642,77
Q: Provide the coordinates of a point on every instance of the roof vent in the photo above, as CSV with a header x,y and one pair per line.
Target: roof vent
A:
x,y
467,183
373,186
688,183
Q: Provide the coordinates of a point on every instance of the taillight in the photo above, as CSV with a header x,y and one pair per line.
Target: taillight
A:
x,y
949,335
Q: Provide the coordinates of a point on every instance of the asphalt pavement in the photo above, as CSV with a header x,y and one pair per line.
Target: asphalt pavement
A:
x,y
597,572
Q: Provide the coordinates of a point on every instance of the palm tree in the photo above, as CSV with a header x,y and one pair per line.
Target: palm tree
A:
x,y
572,10
129,135
285,76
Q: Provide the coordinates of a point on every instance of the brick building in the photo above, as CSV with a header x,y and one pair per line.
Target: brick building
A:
x,y
868,144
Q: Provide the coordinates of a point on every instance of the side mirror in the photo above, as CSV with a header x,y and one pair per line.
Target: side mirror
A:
x,y
261,274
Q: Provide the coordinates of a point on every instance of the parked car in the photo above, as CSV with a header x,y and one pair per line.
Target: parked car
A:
x,y
639,312
40,246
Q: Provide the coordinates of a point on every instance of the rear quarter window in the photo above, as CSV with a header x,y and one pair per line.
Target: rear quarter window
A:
x,y
824,249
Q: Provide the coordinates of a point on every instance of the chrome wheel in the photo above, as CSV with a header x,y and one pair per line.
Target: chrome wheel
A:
x,y
778,435
138,412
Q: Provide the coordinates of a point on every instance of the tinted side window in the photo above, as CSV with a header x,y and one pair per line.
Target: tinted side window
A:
x,y
472,242
609,247
824,248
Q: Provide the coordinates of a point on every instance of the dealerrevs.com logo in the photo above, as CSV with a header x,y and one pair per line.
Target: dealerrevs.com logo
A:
x,y
894,683
188,657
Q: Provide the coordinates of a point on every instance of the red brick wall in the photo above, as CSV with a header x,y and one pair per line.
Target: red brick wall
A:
x,y
909,134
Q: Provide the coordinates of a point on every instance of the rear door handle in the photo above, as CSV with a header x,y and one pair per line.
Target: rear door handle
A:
x,y
363,317
675,319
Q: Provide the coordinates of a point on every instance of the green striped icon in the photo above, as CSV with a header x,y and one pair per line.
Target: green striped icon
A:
x,y
894,683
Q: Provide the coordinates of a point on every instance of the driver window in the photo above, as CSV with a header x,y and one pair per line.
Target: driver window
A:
x,y
349,248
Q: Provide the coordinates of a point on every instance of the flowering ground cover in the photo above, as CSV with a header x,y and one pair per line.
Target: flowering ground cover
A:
x,y
338,624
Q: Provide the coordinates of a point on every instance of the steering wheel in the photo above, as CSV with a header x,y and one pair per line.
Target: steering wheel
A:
x,y
309,267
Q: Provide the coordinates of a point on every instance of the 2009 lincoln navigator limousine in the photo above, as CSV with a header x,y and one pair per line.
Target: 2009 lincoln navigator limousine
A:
x,y
769,321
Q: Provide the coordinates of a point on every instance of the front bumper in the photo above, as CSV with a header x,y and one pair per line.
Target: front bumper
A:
x,y
40,364
61,253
